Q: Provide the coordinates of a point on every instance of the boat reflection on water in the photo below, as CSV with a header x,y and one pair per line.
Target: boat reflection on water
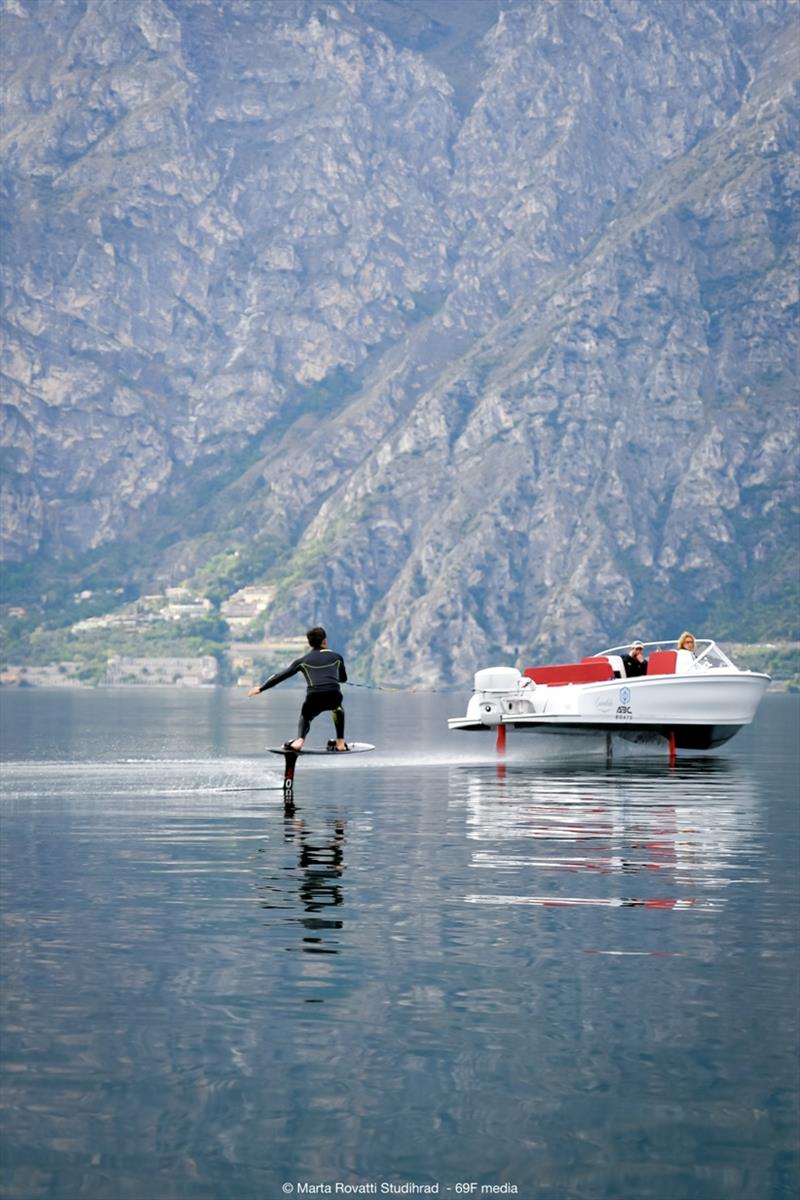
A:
x,y
633,835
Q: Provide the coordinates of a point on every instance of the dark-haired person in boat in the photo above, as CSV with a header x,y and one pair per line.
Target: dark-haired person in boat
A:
x,y
635,662
323,670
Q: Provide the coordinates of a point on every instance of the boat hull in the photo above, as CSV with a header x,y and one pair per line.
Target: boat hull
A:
x,y
687,737
710,698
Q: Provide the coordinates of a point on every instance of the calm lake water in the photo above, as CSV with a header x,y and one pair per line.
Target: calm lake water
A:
x,y
568,978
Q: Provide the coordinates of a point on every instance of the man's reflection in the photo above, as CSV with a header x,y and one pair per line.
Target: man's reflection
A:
x,y
321,861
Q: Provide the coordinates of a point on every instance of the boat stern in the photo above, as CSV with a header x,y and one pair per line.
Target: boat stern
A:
x,y
499,695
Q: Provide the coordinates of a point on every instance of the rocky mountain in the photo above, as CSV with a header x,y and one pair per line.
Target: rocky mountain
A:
x,y
471,327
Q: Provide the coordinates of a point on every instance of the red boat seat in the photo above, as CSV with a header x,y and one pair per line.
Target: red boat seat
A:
x,y
614,661
595,671
662,662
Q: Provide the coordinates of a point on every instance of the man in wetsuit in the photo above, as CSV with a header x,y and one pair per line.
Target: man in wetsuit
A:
x,y
323,671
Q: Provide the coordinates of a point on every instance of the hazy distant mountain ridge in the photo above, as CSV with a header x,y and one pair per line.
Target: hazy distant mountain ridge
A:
x,y
462,380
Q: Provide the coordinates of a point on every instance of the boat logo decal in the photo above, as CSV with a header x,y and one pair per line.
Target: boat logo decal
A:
x,y
624,709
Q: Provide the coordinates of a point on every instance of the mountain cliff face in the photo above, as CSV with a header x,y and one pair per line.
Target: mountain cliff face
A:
x,y
470,326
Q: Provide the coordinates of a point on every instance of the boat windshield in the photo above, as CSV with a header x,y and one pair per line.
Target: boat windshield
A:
x,y
706,652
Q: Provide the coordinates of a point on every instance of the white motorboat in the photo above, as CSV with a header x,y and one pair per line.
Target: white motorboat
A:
x,y
695,699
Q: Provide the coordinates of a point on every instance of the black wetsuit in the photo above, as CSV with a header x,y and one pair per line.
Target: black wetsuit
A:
x,y
323,671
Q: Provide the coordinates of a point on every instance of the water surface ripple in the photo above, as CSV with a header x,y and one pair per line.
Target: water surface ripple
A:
x,y
568,977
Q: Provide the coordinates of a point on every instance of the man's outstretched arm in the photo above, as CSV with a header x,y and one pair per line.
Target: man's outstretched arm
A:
x,y
292,669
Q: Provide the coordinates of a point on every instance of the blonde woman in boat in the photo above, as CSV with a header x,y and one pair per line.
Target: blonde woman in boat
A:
x,y
687,642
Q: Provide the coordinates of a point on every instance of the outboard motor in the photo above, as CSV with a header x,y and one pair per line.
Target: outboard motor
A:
x,y
494,694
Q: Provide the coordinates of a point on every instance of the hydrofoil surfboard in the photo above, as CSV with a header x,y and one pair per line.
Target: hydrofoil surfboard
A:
x,y
352,748
290,757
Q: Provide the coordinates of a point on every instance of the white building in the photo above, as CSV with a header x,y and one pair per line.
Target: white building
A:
x,y
171,671
240,609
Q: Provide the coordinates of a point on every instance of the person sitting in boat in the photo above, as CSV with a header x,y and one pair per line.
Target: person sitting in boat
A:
x,y
323,670
635,662
688,658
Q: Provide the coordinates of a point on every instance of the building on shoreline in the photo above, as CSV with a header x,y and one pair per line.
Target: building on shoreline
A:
x,y
172,671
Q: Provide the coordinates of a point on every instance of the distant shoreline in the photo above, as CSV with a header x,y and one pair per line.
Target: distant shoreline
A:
x,y
781,660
